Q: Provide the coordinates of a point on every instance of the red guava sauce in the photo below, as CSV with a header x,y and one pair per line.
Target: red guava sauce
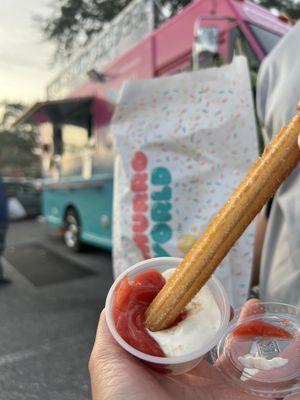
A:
x,y
261,329
132,298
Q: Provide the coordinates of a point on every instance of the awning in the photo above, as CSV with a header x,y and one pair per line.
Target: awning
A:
x,y
75,111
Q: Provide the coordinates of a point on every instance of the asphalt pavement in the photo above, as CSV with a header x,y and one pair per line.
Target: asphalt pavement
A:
x,y
46,333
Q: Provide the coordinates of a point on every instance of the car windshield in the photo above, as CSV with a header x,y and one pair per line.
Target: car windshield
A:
x,y
267,39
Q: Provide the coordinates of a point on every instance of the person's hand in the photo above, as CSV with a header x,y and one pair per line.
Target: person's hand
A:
x,y
117,375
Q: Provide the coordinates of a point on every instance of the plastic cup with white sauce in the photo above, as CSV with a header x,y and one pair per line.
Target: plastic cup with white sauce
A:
x,y
274,370
179,364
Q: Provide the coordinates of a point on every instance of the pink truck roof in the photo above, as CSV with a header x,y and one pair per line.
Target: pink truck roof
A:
x,y
170,45
168,49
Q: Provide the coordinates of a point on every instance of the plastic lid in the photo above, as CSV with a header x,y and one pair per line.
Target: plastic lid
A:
x,y
260,350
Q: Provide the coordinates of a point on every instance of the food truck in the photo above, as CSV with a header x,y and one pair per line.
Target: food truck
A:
x,y
74,121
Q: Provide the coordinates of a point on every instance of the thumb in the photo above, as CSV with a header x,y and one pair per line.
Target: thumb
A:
x,y
111,367
105,347
240,347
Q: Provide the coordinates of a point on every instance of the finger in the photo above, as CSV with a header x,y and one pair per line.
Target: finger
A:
x,y
105,346
105,352
251,307
108,362
299,140
104,340
238,346
205,370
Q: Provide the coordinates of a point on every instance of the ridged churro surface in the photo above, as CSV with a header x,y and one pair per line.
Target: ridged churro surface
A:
x,y
260,183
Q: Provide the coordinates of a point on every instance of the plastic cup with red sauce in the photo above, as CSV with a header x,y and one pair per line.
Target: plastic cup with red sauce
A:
x,y
269,331
169,365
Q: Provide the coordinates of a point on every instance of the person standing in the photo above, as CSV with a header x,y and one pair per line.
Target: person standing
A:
x,y
3,228
278,92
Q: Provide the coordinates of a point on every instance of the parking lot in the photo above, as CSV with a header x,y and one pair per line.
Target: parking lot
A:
x,y
48,318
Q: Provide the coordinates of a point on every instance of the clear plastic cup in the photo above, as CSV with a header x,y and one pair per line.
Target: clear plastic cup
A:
x,y
169,365
279,382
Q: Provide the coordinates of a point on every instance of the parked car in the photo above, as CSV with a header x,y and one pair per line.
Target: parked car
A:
x,y
24,197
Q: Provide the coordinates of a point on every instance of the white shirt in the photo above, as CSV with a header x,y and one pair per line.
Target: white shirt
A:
x,y
278,92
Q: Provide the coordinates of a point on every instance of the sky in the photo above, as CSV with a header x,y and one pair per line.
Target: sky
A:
x,y
25,58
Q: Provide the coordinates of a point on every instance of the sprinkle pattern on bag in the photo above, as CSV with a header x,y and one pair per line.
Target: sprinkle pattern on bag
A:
x,y
199,127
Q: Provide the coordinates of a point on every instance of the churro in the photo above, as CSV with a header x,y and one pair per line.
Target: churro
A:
x,y
259,184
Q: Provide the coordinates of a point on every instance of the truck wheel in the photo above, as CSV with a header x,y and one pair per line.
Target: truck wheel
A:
x,y
72,231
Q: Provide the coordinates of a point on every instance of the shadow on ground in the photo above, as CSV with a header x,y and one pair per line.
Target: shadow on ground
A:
x,y
47,331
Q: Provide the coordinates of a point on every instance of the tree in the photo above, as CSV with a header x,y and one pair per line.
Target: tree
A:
x,y
18,145
74,23
289,7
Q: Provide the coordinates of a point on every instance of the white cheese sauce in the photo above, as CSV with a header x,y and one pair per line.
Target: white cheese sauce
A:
x,y
261,363
200,325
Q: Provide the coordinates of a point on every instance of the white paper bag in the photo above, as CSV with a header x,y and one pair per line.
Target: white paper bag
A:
x,y
183,144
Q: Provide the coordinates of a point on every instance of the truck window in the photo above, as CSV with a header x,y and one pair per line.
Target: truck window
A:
x,y
74,139
267,39
241,46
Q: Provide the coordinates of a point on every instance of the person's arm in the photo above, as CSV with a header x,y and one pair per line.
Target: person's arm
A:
x,y
259,235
